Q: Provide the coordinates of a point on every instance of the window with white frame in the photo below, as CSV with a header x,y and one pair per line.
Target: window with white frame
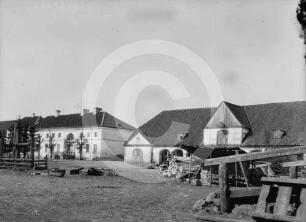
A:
x,y
88,134
59,135
87,148
95,149
96,134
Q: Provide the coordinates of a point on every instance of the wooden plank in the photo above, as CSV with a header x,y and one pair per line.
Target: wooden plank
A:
x,y
223,187
256,156
212,218
244,192
272,217
293,169
262,200
20,160
282,200
283,180
293,172
294,163
301,212
17,164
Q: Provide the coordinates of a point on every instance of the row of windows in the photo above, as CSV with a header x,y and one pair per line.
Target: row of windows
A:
x,y
59,135
87,148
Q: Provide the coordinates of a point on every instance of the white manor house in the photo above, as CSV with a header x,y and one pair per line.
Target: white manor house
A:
x,y
103,133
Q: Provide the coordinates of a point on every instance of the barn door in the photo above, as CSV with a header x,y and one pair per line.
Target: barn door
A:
x,y
137,156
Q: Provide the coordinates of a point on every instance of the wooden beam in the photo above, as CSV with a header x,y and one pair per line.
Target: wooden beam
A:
x,y
212,218
244,192
294,163
223,187
299,181
293,169
256,156
262,200
272,217
282,200
301,211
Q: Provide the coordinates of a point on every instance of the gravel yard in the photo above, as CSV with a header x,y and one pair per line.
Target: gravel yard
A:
x,y
87,198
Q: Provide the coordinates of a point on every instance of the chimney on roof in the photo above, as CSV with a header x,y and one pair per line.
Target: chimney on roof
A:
x,y
97,110
33,115
84,111
58,113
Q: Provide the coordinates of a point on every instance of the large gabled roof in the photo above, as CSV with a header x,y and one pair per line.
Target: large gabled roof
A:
x,y
163,129
70,121
262,120
87,120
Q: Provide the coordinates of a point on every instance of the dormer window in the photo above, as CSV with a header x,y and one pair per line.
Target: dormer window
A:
x,y
181,136
278,134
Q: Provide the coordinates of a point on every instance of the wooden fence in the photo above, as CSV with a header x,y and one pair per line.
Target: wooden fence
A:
x,y
23,163
223,163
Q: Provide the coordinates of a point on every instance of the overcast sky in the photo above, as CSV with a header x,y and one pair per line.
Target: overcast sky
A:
x,y
51,48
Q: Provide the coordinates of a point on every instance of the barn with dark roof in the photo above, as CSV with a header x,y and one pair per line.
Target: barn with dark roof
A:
x,y
226,127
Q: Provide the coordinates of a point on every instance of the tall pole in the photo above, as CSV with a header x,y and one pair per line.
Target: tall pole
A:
x,y
1,146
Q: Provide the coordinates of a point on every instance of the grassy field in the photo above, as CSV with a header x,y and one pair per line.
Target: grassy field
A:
x,y
24,197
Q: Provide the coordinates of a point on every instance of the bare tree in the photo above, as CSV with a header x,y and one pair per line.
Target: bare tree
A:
x,y
68,143
38,142
81,142
51,144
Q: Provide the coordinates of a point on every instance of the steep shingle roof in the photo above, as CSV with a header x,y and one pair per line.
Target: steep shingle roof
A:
x,y
262,120
87,120
266,118
239,113
163,129
71,121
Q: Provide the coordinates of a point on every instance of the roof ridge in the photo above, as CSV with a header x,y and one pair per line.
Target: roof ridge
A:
x,y
272,103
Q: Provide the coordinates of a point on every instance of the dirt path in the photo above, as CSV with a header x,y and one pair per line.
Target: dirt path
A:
x,y
136,173
124,169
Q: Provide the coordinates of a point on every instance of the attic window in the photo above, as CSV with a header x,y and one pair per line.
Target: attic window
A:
x,y
181,136
119,125
221,125
278,134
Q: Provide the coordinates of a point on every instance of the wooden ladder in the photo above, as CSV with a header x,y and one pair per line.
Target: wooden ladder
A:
x,y
271,207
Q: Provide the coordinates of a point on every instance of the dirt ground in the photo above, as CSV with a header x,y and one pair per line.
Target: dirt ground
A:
x,y
24,197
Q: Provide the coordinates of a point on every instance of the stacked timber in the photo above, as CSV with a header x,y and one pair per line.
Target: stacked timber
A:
x,y
205,177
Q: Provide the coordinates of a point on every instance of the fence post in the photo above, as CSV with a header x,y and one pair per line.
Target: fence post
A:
x,y
293,169
223,187
46,162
